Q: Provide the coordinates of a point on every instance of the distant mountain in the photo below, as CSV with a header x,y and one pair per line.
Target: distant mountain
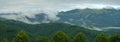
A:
x,y
99,18
89,18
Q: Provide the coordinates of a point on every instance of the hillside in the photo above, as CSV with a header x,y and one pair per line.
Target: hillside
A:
x,y
71,22
8,28
92,17
88,18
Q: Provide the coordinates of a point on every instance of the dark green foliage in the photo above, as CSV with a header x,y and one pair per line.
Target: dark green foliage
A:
x,y
9,28
80,37
42,39
115,38
101,38
5,40
22,37
60,37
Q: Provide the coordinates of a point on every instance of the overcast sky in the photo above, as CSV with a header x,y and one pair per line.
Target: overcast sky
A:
x,y
20,5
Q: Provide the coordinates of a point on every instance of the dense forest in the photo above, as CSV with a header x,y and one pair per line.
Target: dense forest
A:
x,y
16,31
60,36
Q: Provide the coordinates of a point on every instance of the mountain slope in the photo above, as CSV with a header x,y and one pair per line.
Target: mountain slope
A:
x,y
8,28
98,19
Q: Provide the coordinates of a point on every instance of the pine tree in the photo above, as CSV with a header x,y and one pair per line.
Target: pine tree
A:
x,y
101,38
22,37
5,40
60,37
115,38
80,37
42,39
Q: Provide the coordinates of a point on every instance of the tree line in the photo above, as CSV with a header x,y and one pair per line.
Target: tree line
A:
x,y
60,36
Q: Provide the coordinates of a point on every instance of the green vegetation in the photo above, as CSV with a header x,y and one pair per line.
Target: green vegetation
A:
x,y
5,40
80,37
42,39
8,29
60,37
92,17
101,38
47,32
115,38
22,37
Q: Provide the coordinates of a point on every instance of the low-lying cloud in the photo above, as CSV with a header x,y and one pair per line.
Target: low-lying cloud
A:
x,y
32,7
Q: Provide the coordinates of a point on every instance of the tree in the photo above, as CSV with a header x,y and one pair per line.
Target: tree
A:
x,y
5,40
60,37
80,37
22,37
115,38
101,38
42,39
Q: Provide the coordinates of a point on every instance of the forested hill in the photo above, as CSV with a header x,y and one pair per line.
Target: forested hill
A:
x,y
92,17
89,18
8,28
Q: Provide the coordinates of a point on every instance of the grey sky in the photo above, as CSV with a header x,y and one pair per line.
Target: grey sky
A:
x,y
20,5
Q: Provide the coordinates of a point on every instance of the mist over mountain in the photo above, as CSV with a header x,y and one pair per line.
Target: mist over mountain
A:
x,y
59,20
97,19
94,18
95,14
30,8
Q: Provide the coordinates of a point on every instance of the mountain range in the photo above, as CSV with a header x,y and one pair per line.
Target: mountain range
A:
x,y
89,21
97,19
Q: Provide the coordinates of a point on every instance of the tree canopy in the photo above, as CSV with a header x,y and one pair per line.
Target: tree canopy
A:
x,y
80,37
60,37
101,38
22,36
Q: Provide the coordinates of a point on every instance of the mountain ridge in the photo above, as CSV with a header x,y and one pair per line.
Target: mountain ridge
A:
x,y
88,18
